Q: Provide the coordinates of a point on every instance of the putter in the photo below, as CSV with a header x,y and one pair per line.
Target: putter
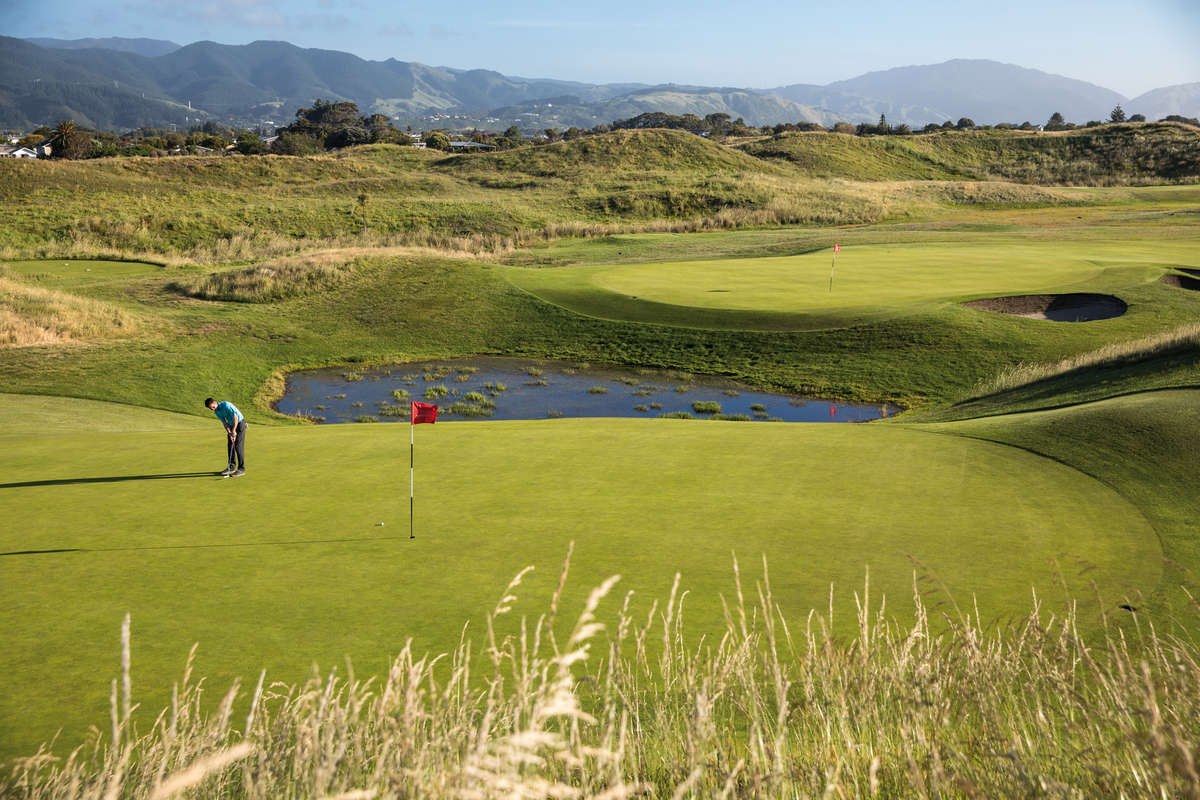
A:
x,y
231,457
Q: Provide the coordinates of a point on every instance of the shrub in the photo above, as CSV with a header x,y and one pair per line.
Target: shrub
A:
x,y
676,415
598,390
706,407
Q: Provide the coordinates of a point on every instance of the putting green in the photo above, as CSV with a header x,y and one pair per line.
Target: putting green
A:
x,y
870,282
288,566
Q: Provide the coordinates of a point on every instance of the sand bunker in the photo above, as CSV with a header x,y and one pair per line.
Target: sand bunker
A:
x,y
1189,281
1081,307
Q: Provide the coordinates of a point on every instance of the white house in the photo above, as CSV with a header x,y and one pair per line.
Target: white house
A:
x,y
13,151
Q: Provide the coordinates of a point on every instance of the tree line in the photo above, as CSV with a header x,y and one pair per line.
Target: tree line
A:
x,y
329,125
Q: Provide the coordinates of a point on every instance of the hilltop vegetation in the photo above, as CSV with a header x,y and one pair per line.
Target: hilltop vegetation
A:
x,y
1106,156
229,210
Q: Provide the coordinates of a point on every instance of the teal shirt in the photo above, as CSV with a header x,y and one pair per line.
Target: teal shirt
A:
x,y
228,413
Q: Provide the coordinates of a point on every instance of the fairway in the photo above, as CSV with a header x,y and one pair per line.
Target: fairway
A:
x,y
288,565
870,282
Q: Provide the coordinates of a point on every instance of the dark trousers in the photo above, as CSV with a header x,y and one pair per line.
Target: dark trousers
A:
x,y
239,447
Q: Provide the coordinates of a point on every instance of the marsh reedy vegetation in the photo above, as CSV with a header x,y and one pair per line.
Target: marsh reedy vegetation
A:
x,y
938,706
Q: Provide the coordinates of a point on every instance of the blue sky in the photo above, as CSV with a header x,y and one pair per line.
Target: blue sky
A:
x,y
1130,46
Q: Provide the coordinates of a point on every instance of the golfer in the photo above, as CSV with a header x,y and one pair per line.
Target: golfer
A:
x,y
235,426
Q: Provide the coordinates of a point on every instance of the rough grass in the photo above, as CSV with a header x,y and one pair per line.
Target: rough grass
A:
x,y
31,316
776,706
233,211
278,280
1108,156
1113,355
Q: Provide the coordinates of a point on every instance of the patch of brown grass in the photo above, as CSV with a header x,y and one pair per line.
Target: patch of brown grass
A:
x,y
274,280
30,316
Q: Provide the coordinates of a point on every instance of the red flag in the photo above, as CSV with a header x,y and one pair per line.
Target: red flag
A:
x,y
837,248
832,410
423,412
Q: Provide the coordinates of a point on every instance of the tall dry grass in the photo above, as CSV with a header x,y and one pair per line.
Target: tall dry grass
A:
x,y
274,280
773,708
32,316
1113,354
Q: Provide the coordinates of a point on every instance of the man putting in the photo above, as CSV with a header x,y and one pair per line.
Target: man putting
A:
x,y
235,426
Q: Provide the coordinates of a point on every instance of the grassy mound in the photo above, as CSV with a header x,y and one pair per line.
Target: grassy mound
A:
x,y
221,211
263,283
1147,447
1170,359
628,151
32,316
281,575
1112,155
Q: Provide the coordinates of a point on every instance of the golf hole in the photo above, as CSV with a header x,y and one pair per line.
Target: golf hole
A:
x,y
1077,307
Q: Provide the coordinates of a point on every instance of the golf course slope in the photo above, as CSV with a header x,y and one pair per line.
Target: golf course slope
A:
x,y
289,565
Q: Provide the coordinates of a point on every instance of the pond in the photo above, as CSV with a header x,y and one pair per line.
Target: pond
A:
x,y
509,388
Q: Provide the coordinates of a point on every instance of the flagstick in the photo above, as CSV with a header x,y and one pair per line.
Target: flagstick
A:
x,y
411,480
831,265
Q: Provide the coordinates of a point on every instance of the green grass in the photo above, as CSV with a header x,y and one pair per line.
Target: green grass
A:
x,y
1146,446
870,282
279,575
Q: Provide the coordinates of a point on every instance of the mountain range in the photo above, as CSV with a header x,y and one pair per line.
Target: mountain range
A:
x,y
126,83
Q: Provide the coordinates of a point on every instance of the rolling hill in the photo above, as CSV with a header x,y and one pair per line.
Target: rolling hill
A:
x,y
141,46
985,91
148,82
1183,99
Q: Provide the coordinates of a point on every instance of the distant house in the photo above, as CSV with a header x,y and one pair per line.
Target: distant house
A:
x,y
13,151
201,150
462,147
44,150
